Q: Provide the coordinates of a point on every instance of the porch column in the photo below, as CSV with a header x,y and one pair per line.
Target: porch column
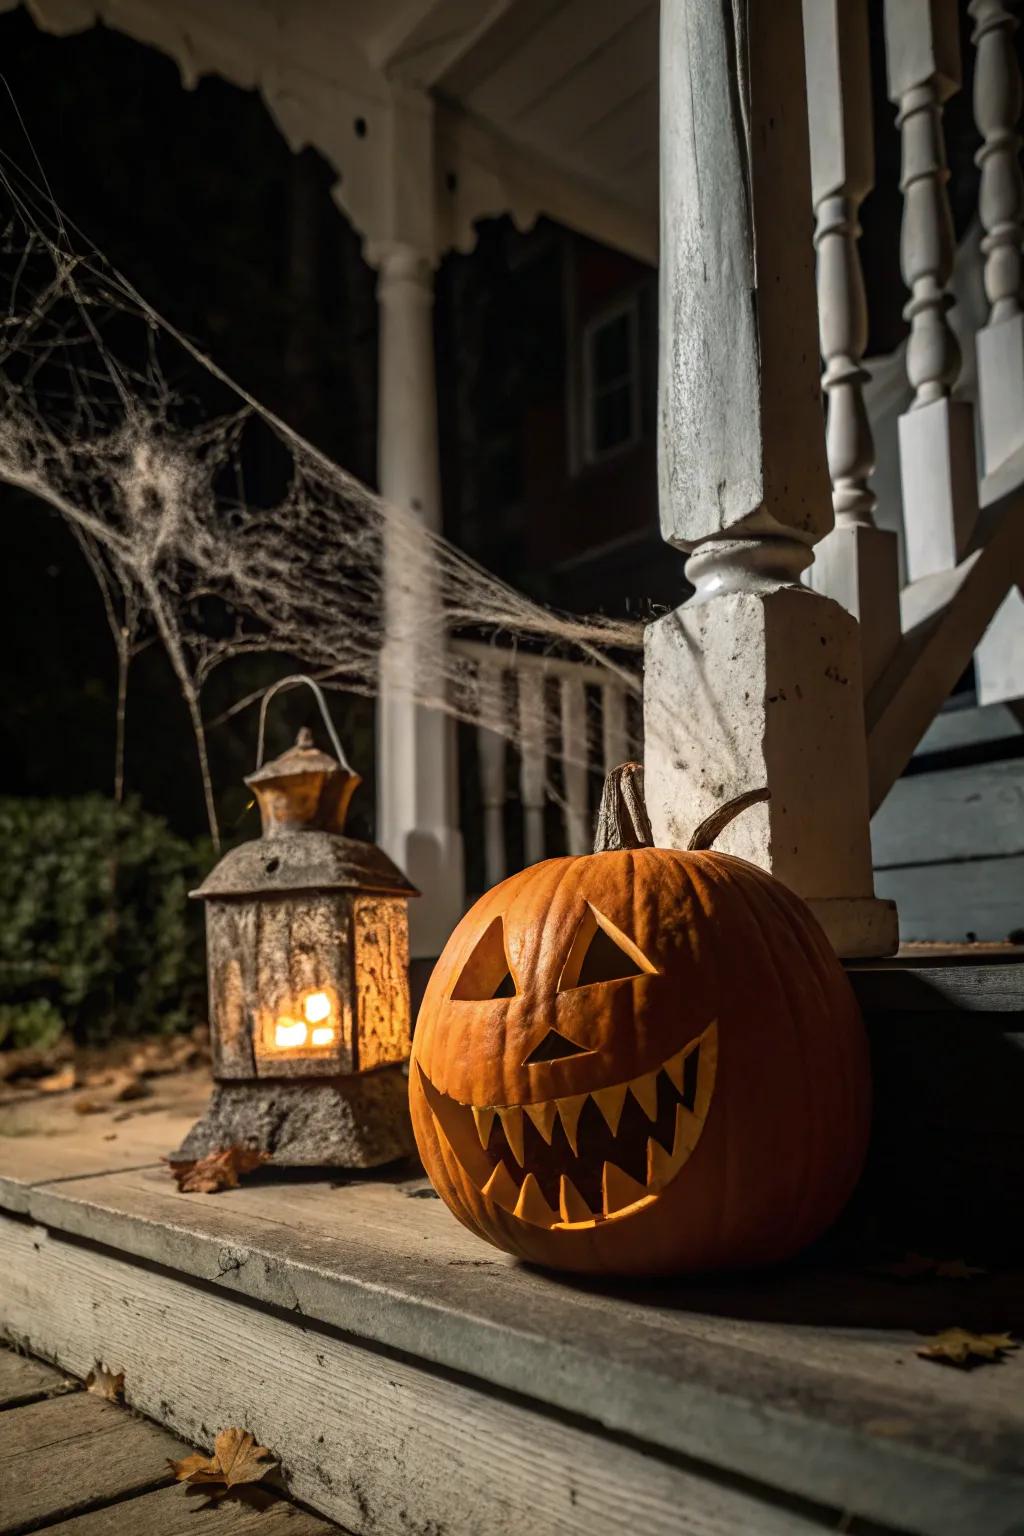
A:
x,y
417,796
757,679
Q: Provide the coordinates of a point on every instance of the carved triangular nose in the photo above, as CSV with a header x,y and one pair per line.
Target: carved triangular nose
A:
x,y
553,1047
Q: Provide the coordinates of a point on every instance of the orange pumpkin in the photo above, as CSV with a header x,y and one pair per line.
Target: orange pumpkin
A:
x,y
641,1061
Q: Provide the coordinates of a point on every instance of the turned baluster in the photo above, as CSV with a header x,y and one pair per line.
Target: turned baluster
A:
x,y
614,726
579,833
999,658
997,109
857,562
937,434
491,751
533,761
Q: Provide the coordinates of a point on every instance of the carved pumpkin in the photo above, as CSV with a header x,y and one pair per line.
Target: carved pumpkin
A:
x,y
642,1060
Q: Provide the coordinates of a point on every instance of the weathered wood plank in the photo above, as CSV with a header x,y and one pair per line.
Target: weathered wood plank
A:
x,y
365,1436
26,1381
65,1454
925,984
956,729
779,1383
177,1512
45,1138
956,813
977,899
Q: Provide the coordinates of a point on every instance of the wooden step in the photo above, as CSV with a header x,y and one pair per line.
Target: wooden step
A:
x,y
411,1378
946,1165
74,1464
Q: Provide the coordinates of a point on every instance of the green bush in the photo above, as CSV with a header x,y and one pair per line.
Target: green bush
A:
x,y
96,932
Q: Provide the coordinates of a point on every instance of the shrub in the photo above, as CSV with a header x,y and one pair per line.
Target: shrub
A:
x,y
96,931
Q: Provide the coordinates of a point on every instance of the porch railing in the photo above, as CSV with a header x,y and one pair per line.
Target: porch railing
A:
x,y
962,532
563,717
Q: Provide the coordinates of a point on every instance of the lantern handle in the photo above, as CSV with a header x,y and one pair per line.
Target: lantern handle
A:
x,y
293,682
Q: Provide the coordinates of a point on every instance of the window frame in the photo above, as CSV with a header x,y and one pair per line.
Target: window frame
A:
x,y
628,306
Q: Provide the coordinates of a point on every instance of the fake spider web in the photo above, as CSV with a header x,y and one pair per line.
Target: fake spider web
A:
x,y
114,418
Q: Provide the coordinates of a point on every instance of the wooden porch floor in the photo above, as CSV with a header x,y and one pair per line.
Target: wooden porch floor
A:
x,y
410,1379
73,1464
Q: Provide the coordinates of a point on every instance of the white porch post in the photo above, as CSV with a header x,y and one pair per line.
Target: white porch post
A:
x,y
756,679
417,793
417,807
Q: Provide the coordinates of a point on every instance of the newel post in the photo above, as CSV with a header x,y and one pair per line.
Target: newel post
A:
x,y
756,679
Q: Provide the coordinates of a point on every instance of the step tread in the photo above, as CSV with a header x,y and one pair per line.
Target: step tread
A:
x,y
793,1378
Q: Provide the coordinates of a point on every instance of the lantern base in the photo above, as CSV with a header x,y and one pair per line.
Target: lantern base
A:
x,y
355,1121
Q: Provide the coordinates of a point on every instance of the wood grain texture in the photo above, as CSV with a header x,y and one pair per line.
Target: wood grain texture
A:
x,y
26,1381
62,1455
977,899
365,1436
926,985
44,1138
954,814
782,1378
179,1511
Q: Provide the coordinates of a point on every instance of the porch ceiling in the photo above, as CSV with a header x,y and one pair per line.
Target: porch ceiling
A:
x,y
545,106
575,81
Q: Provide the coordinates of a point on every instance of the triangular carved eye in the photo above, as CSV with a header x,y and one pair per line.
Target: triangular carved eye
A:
x,y
602,952
486,974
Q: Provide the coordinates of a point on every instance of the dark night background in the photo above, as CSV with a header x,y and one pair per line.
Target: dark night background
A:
x,y
197,199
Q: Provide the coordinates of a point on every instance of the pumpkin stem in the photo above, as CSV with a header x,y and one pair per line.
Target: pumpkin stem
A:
x,y
710,828
622,820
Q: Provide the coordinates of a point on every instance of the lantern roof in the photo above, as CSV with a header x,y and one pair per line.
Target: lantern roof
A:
x,y
303,789
304,859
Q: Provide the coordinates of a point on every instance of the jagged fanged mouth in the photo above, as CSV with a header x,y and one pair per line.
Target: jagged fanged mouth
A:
x,y
589,1157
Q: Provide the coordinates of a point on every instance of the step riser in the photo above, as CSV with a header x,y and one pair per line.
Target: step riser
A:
x,y
365,1437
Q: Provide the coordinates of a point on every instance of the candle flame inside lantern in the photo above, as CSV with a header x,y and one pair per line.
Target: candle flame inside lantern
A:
x,y
289,1032
317,1007
309,1030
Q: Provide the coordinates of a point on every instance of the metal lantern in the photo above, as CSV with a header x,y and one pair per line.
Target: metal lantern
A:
x,y
308,958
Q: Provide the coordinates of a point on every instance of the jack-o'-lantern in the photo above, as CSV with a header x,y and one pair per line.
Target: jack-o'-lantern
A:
x,y
641,1060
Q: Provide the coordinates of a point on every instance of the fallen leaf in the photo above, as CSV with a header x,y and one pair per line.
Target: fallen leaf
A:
x,y
155,1058
99,1077
57,1082
956,1269
955,1346
216,1171
87,1106
104,1383
129,1085
236,1459
916,1266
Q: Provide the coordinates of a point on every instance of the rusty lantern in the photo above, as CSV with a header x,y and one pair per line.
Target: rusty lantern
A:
x,y
308,959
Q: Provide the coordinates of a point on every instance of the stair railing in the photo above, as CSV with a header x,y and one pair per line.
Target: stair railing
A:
x,y
963,538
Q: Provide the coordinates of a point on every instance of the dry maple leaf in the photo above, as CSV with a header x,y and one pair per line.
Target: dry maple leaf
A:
x,y
216,1171
957,1269
956,1346
57,1082
236,1459
104,1383
917,1266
